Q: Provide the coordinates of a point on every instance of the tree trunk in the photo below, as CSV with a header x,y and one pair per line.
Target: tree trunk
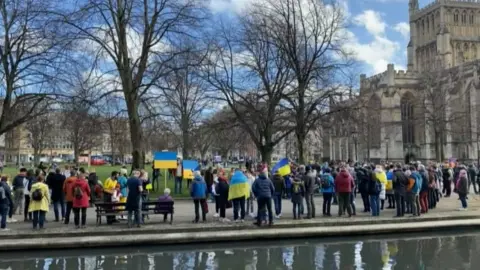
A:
x,y
136,134
437,146
266,153
36,156
301,136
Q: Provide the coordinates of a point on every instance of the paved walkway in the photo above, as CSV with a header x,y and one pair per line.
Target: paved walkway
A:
x,y
184,213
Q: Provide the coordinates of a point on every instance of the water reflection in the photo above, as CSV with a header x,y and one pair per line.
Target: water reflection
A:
x,y
452,252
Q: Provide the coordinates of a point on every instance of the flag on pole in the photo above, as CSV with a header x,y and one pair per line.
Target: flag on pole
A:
x,y
282,167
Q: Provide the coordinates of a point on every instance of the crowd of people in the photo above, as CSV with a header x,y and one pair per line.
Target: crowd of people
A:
x,y
31,194
409,189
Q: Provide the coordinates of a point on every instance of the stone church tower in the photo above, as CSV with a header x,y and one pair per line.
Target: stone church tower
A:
x,y
397,106
444,32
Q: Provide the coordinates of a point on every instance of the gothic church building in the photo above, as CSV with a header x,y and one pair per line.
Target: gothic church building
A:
x,y
430,112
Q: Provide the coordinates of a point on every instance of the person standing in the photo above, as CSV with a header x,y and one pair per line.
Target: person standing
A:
x,y
221,189
68,192
389,188
19,191
414,187
343,187
198,192
263,190
309,180
251,198
109,191
27,183
298,192
55,184
5,202
327,184
134,199
374,190
39,202
81,200
279,184
122,182
179,177
462,189
363,178
399,183
424,188
92,182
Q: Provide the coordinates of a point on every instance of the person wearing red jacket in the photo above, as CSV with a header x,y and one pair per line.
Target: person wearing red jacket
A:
x,y
81,199
343,188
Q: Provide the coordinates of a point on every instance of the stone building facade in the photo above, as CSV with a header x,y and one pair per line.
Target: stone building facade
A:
x,y
430,111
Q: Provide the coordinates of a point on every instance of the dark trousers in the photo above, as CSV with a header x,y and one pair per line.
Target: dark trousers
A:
x,y
475,183
296,210
352,204
3,216
447,188
344,203
391,201
463,200
432,198
310,205
366,202
68,211
60,202
264,202
27,214
76,216
222,203
178,185
239,205
199,207
327,203
400,201
424,201
277,200
217,204
38,219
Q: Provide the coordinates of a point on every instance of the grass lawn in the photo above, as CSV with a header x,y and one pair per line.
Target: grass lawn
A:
x,y
103,172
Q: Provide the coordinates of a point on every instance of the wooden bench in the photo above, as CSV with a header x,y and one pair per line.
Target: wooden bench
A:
x,y
104,209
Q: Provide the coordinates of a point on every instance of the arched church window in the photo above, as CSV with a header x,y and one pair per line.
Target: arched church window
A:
x,y
433,23
374,121
428,25
472,18
473,50
408,118
464,17
466,51
455,16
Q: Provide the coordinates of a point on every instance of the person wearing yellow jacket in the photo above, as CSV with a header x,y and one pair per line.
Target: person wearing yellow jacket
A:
x,y
39,202
381,176
389,188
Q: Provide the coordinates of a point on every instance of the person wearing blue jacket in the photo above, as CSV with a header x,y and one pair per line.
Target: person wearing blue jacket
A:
x,y
416,191
328,189
198,192
263,190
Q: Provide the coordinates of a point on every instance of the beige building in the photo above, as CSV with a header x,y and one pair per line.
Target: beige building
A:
x,y
429,111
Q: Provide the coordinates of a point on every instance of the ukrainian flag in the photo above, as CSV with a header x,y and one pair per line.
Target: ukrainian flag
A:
x,y
239,186
187,174
165,160
282,167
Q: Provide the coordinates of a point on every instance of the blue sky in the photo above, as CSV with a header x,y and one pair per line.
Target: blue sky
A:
x,y
379,28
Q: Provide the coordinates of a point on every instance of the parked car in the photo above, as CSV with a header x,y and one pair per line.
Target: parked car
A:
x,y
97,160
57,160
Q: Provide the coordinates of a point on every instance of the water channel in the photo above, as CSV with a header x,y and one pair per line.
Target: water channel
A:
x,y
423,252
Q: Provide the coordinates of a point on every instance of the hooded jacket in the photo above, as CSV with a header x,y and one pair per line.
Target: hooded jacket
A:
x,y
278,183
298,190
309,182
418,182
343,182
399,181
198,189
263,187
327,178
363,177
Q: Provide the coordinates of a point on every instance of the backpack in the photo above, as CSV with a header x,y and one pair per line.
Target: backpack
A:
x,y
37,195
378,187
2,193
77,192
325,183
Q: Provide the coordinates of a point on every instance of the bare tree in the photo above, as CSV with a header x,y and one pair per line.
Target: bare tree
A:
x,y
31,57
249,74
40,135
309,35
204,138
138,37
185,96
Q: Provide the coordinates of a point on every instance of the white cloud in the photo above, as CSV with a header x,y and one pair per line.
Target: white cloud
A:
x,y
229,5
403,28
372,21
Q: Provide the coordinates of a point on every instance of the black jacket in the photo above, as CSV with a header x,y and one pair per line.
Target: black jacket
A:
x,y
7,202
363,179
18,182
222,191
399,181
55,183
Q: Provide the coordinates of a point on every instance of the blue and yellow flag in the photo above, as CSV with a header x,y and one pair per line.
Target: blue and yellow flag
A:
x,y
282,167
239,186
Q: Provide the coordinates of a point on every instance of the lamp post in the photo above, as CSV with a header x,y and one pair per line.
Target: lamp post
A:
x,y
355,137
387,142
